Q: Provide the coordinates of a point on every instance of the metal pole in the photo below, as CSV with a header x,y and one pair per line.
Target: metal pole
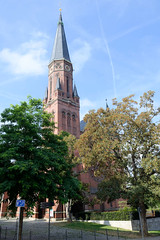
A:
x,y
0,232
49,226
81,234
18,223
16,227
5,233
106,234
117,233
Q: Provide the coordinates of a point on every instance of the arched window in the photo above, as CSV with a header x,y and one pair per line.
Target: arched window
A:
x,y
74,124
63,118
63,115
50,85
67,86
73,117
68,120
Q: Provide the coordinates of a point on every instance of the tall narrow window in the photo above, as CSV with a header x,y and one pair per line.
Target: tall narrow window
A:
x,y
64,120
74,118
67,86
74,124
68,120
50,88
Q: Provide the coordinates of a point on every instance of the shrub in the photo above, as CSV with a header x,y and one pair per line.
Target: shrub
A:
x,y
121,215
116,215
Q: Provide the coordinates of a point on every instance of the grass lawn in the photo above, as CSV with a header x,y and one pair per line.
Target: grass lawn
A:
x,y
92,227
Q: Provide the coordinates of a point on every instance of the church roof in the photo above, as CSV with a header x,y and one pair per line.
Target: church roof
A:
x,y
82,125
60,48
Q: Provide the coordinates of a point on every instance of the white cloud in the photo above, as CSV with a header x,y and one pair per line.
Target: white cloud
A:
x,y
86,105
28,59
82,55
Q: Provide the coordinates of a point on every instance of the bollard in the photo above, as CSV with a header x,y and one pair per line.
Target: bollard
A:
x,y
30,235
0,232
66,234
95,235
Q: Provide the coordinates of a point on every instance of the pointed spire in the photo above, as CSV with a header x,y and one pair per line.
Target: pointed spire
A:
x,y
60,48
60,18
107,107
58,85
75,93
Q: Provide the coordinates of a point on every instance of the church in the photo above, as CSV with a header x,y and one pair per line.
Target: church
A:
x,y
62,100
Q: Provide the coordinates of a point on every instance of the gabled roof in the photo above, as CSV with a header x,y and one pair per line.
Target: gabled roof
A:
x,y
60,48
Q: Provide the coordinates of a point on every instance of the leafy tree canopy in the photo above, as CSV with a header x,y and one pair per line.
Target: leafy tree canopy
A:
x,y
123,144
70,141
33,161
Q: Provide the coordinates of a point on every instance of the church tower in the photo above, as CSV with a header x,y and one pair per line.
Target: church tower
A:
x,y
61,98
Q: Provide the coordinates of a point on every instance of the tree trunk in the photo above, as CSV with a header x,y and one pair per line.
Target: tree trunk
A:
x,y
68,211
143,219
20,224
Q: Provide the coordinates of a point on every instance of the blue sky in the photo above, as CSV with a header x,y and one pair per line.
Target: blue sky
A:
x,y
114,46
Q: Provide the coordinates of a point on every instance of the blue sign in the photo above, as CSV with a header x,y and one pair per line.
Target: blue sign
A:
x,y
20,203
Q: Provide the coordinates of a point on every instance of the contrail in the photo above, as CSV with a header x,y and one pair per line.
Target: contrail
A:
x,y
108,50
135,28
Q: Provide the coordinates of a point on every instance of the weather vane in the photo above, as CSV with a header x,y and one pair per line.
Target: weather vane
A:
x,y
60,4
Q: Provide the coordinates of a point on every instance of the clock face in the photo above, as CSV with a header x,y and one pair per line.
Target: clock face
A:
x,y
67,67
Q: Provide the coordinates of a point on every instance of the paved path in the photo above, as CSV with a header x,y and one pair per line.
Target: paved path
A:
x,y
38,230
149,238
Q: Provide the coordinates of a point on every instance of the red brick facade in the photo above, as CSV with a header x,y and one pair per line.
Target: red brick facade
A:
x,y
60,100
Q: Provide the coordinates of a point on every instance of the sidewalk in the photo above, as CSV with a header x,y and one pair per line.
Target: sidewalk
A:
x,y
148,238
38,230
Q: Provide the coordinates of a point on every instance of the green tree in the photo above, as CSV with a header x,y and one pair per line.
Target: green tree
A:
x,y
74,192
122,145
70,140
33,161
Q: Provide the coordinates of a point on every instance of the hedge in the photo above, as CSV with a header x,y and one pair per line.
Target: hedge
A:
x,y
121,215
